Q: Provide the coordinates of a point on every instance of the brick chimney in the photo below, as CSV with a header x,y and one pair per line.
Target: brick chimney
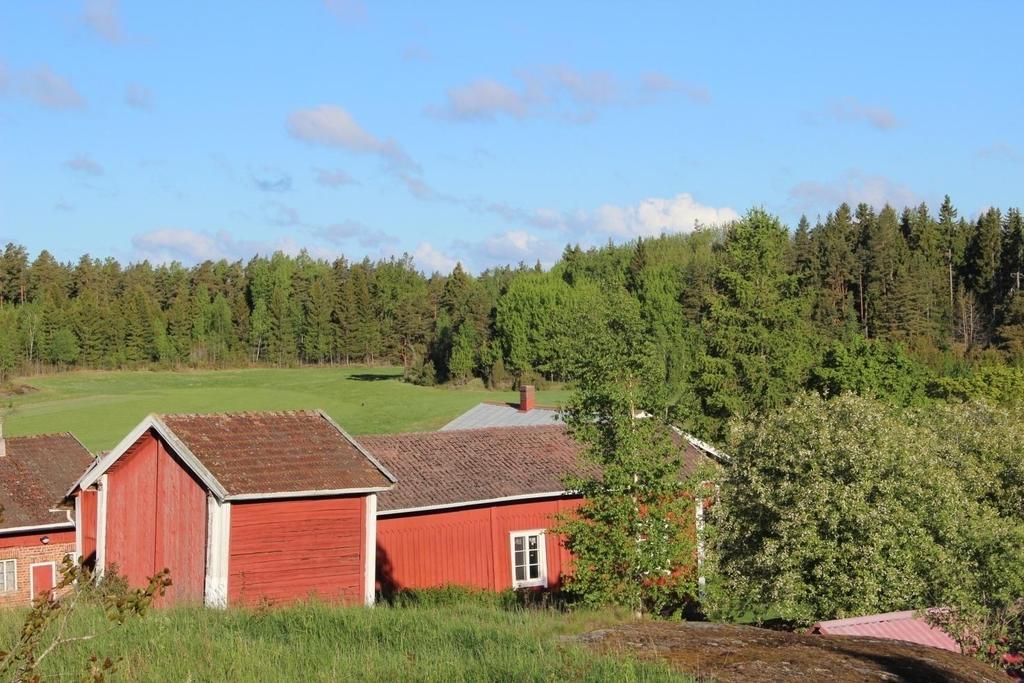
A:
x,y
527,398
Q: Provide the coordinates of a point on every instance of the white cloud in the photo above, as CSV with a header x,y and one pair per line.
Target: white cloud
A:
x,y
348,11
853,187
333,126
656,82
512,246
333,178
348,231
427,257
50,90
164,245
104,18
138,96
83,163
483,99
850,110
559,91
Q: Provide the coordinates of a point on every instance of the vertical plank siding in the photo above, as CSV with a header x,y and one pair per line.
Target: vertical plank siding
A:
x,y
466,547
88,522
156,518
288,550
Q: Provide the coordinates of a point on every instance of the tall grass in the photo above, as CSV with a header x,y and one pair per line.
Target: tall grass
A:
x,y
436,638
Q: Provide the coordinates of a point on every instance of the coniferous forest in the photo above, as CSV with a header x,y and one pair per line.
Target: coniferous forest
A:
x,y
906,305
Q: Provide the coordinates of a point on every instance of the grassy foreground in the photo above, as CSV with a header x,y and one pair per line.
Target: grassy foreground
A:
x,y
469,641
101,407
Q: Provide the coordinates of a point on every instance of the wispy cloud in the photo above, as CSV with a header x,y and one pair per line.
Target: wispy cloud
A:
x,y
558,91
103,17
656,82
83,163
851,110
333,178
280,215
416,53
334,126
167,244
51,90
1000,151
348,11
349,231
852,187
271,179
138,96
431,259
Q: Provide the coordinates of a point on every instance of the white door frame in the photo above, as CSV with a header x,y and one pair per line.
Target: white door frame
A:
x,y
32,577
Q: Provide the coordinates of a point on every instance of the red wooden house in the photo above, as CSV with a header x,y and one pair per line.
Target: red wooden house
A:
x,y
241,508
473,507
35,537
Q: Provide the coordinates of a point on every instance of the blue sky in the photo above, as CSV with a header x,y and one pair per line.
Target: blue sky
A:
x,y
487,132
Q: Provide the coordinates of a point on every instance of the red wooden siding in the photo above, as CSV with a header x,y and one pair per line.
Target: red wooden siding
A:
x,y
156,518
465,547
87,504
288,550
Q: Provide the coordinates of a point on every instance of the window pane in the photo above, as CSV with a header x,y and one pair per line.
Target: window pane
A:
x,y
533,557
520,558
534,571
520,573
519,543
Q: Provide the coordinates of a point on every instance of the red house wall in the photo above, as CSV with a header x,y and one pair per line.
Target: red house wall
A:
x,y
288,550
466,547
156,518
28,549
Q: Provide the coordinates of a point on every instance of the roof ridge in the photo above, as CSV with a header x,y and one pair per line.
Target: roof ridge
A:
x,y
471,430
245,413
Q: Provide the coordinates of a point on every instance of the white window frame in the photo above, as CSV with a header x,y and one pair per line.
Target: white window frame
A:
x,y
32,577
3,576
542,558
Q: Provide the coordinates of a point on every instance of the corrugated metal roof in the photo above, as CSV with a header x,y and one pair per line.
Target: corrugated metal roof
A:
x,y
502,415
905,626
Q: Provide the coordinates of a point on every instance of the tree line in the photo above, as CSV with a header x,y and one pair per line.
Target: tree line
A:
x,y
905,304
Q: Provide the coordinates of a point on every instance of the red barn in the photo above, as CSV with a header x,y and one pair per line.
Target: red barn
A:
x,y
35,537
473,507
242,508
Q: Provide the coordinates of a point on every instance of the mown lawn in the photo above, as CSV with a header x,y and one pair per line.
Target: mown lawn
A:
x,y
469,641
101,407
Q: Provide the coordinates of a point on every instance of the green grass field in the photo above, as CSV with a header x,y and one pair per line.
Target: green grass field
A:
x,y
447,643
101,407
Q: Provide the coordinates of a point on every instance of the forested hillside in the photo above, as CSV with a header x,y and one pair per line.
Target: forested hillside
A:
x,y
909,306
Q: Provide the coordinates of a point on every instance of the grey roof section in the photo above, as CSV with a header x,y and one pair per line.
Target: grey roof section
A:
x,y
502,415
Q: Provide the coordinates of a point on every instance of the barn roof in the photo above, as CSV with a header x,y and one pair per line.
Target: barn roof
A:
x,y
503,415
485,415
242,456
35,473
460,467
905,626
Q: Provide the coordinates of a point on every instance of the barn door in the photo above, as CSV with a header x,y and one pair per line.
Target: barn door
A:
x,y
42,578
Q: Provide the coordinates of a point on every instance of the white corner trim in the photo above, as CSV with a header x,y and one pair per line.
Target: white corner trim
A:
x,y
218,544
101,525
78,526
370,551
470,503
177,445
37,527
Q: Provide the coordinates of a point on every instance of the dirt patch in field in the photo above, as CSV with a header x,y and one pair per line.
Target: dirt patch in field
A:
x,y
740,654
8,390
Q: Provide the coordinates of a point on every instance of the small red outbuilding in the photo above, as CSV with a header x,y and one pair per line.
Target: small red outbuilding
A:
x,y
241,507
35,536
